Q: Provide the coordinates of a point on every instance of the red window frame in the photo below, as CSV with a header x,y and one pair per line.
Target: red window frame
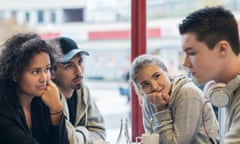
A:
x,y
138,47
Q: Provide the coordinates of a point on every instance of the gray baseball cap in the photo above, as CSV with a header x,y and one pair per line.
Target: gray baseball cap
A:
x,y
66,49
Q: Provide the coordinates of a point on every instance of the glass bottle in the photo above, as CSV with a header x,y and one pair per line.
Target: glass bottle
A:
x,y
123,137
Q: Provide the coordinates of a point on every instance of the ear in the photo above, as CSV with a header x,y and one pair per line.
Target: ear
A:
x,y
223,48
15,78
139,93
137,89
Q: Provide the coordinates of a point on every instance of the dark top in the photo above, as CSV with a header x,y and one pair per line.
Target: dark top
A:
x,y
72,104
14,130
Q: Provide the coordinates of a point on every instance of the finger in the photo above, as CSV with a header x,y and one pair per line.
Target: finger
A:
x,y
150,97
166,97
50,83
158,98
153,99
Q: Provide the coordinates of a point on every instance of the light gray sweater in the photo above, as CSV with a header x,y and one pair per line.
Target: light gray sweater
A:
x,y
230,120
89,125
182,122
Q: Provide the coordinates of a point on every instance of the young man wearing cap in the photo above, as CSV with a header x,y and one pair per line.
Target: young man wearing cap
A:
x,y
84,123
210,40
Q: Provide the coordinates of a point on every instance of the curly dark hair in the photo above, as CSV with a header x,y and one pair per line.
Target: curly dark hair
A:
x,y
16,55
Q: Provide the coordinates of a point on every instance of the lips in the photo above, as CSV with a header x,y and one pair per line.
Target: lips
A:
x,y
41,87
78,80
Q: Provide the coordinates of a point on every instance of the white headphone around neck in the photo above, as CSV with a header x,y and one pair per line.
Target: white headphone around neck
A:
x,y
219,94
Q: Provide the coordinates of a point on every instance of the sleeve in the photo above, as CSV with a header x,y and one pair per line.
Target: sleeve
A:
x,y
147,113
76,134
12,131
182,125
232,136
95,122
90,125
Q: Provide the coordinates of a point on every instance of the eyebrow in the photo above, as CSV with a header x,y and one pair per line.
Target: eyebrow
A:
x,y
187,49
39,68
80,59
36,68
66,63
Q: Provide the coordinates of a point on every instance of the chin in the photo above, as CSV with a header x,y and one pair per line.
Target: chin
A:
x,y
77,86
202,82
38,95
197,81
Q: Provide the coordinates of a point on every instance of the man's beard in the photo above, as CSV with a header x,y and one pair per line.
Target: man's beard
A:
x,y
77,86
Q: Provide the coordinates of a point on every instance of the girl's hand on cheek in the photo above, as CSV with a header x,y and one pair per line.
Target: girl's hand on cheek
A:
x,y
159,99
51,97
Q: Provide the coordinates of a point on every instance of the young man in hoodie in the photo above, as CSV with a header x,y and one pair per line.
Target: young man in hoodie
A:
x,y
84,123
210,40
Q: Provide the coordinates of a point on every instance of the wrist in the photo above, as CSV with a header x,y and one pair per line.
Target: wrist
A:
x,y
161,107
55,112
56,108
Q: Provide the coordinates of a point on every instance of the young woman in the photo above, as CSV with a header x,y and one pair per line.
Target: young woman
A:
x,y
177,107
30,106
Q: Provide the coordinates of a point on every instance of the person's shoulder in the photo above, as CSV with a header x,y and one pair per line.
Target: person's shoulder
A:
x,y
180,81
6,109
192,90
185,86
4,103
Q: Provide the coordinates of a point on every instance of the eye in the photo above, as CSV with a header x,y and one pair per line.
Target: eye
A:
x,y
156,76
145,85
68,66
48,69
35,72
80,61
191,53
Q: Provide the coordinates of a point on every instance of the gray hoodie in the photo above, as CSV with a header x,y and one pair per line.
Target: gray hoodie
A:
x,y
89,125
182,122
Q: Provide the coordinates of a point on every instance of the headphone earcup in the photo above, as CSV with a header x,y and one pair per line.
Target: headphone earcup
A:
x,y
217,94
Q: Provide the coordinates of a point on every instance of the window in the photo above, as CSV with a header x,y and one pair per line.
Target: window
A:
x,y
52,16
40,16
73,15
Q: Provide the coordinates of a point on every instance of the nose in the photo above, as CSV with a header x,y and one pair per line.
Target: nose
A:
x,y
44,76
186,62
155,85
78,69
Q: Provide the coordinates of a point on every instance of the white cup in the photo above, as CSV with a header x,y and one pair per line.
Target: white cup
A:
x,y
148,138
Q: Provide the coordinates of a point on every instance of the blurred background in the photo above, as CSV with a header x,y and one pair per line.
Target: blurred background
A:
x,y
103,28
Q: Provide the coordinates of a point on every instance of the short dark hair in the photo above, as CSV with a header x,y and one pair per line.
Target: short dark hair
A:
x,y
17,52
212,24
